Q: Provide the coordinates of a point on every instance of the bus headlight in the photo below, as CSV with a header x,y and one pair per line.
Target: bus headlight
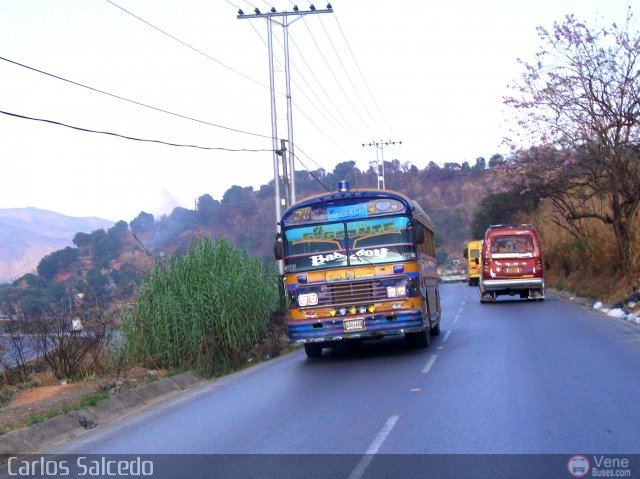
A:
x,y
396,291
310,299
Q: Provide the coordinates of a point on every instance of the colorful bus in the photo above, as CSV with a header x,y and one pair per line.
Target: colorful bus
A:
x,y
472,254
358,265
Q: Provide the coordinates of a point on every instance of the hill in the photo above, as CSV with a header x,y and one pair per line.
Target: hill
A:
x,y
103,269
28,234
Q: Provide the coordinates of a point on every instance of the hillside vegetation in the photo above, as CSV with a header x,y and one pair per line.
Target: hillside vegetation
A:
x,y
104,268
28,234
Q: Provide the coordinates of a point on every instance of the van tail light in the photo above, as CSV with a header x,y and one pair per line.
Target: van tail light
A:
x,y
539,264
486,268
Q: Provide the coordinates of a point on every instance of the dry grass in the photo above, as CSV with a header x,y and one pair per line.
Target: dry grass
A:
x,y
588,266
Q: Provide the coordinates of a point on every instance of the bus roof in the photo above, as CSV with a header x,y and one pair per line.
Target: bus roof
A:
x,y
353,196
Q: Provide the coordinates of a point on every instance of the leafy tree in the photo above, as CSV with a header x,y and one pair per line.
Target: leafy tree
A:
x,y
499,208
495,160
580,102
98,285
57,262
208,210
126,278
142,223
86,242
480,165
240,199
83,240
345,171
119,231
269,191
110,245
33,301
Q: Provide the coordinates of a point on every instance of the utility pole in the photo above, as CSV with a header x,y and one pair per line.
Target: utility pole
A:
x,y
379,161
284,19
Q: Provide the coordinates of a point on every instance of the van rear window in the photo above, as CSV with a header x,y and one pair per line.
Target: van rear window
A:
x,y
512,244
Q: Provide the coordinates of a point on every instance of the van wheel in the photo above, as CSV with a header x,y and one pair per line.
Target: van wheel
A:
x,y
313,350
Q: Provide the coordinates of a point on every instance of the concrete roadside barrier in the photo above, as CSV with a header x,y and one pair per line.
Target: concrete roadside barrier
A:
x,y
30,439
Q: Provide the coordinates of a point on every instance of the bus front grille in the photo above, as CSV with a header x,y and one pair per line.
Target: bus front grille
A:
x,y
352,292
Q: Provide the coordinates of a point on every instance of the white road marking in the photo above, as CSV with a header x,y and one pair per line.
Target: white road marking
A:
x,y
446,336
427,366
375,446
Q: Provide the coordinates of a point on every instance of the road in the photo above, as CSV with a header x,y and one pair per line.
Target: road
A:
x,y
512,377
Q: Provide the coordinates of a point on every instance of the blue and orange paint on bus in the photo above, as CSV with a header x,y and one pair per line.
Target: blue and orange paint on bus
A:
x,y
358,265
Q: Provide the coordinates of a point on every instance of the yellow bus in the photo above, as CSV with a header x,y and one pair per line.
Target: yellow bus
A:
x,y
473,256
358,265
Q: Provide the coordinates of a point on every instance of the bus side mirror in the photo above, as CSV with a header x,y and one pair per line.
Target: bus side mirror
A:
x,y
278,248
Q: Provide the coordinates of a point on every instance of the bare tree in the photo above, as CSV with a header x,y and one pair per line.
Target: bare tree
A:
x,y
17,353
65,349
579,103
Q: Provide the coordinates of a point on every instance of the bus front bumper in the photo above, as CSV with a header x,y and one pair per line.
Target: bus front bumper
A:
x,y
369,326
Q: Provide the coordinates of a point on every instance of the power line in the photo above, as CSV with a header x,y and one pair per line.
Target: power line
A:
x,y
348,76
362,75
330,100
332,73
133,101
88,130
226,66
189,46
313,90
311,173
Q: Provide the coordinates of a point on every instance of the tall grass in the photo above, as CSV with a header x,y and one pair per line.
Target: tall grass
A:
x,y
203,310
586,263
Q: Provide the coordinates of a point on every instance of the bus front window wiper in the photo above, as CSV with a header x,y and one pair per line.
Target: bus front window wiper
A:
x,y
360,258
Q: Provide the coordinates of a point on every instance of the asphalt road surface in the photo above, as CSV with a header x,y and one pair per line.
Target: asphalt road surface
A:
x,y
512,377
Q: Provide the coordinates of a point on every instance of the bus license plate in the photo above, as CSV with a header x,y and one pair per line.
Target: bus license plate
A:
x,y
513,270
353,325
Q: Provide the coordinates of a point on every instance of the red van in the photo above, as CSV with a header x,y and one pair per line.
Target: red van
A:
x,y
511,263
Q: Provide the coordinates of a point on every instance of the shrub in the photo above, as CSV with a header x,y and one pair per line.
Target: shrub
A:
x,y
202,310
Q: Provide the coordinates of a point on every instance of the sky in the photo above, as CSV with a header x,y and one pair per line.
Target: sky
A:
x,y
429,74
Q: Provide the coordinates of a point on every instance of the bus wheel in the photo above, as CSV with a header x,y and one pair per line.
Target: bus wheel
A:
x,y
435,330
420,339
313,350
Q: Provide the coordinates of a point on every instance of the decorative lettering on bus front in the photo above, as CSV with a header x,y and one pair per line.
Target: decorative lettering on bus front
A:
x,y
335,213
320,259
353,230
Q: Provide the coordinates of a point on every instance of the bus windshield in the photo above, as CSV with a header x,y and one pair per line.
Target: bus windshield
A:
x,y
349,243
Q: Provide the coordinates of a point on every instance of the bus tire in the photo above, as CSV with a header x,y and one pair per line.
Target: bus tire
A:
x,y
435,330
419,339
313,350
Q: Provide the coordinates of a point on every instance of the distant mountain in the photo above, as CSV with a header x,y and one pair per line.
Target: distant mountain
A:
x,y
29,234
